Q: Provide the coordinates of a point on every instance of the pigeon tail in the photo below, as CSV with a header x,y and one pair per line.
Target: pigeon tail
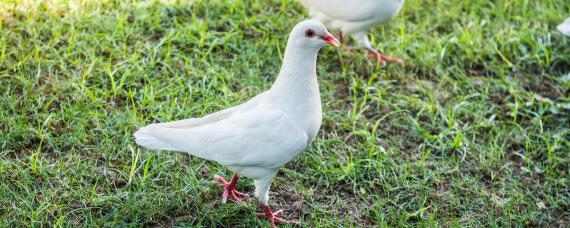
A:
x,y
145,138
564,28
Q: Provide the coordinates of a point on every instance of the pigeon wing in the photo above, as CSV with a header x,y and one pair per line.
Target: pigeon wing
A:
x,y
260,136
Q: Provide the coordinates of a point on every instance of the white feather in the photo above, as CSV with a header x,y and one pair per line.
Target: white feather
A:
x,y
255,138
354,17
564,28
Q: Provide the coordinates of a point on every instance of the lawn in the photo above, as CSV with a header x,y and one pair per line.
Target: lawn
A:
x,y
474,129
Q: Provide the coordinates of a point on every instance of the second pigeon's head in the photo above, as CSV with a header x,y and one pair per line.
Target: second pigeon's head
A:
x,y
311,34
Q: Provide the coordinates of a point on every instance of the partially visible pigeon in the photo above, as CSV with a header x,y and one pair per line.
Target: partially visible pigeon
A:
x,y
564,28
355,17
257,137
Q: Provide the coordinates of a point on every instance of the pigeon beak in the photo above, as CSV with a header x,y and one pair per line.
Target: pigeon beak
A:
x,y
329,38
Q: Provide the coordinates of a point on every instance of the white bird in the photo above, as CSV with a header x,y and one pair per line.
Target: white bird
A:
x,y
257,137
355,17
564,28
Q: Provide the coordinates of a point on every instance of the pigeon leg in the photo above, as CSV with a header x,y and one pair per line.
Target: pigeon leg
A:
x,y
382,59
230,189
362,40
340,37
272,216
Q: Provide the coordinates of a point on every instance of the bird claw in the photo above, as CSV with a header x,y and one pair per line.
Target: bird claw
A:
x,y
229,190
272,216
221,180
383,59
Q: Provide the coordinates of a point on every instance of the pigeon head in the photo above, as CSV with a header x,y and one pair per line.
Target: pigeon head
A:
x,y
311,34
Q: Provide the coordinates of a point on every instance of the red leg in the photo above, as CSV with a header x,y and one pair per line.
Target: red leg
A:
x,y
272,216
230,189
383,59
340,37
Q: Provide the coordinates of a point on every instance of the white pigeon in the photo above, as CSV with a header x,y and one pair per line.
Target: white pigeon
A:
x,y
257,137
564,28
355,17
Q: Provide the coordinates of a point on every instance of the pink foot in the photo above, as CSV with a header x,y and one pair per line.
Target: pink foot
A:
x,y
383,59
272,216
230,189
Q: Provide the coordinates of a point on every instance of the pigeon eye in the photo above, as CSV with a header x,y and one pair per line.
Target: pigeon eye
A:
x,y
310,33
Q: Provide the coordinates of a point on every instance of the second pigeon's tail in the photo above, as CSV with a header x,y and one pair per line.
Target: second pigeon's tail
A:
x,y
144,137
564,28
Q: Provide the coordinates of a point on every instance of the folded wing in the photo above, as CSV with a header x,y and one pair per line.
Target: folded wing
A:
x,y
260,136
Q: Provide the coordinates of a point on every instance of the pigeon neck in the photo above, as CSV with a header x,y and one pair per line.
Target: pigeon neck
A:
x,y
298,70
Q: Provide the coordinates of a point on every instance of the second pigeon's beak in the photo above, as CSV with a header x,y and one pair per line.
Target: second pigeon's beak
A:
x,y
329,38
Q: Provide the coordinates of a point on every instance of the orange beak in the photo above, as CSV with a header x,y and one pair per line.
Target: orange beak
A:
x,y
329,38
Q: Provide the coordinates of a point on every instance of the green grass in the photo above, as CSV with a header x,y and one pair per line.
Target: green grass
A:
x,y
473,130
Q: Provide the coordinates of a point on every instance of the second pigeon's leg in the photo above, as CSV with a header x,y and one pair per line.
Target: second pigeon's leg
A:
x,y
230,189
363,41
382,58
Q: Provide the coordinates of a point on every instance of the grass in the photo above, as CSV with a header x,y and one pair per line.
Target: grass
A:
x,y
474,130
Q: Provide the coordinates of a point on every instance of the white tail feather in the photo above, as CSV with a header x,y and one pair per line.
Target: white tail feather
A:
x,y
564,28
144,137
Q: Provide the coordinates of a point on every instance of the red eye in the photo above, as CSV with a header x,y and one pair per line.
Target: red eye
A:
x,y
310,33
